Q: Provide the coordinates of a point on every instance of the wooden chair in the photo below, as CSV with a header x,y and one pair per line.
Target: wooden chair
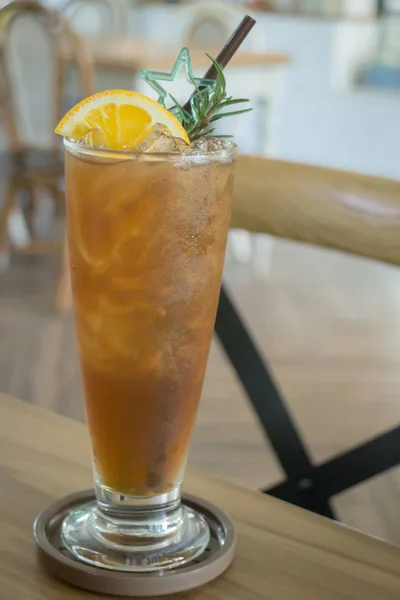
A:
x,y
354,213
96,17
209,25
102,19
32,78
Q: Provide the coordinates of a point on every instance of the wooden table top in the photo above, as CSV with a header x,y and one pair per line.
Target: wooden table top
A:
x,y
127,53
283,553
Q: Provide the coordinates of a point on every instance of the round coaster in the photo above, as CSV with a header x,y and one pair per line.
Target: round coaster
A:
x,y
58,561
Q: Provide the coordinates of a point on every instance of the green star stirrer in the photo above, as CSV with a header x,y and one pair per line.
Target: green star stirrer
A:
x,y
182,62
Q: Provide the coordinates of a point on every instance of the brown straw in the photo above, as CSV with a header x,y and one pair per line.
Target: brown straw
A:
x,y
230,48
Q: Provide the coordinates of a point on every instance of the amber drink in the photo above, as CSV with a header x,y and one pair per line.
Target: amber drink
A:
x,y
147,236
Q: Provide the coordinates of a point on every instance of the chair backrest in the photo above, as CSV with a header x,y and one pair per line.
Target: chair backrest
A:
x,y
93,17
209,26
33,41
356,213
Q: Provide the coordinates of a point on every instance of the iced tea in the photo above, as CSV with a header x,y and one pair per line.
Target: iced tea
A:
x,y
147,238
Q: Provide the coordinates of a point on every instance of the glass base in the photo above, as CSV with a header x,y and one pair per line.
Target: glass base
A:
x,y
137,535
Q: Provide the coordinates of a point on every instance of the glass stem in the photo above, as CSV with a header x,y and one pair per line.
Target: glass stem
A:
x,y
132,521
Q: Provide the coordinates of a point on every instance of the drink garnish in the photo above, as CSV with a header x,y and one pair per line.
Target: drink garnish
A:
x,y
125,120
208,102
120,118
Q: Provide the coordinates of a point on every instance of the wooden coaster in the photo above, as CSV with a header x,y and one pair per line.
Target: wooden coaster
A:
x,y
58,561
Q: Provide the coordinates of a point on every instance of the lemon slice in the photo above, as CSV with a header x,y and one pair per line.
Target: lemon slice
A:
x,y
124,118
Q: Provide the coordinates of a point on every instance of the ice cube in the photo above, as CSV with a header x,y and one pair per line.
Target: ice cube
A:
x,y
160,140
209,144
93,138
160,128
200,151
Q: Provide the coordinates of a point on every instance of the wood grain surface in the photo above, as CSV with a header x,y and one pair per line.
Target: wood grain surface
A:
x,y
284,553
120,52
337,209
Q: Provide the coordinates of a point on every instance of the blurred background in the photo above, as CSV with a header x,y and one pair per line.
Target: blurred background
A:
x,y
323,77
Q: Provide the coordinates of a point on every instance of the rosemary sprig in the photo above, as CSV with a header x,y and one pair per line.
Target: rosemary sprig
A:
x,y
207,106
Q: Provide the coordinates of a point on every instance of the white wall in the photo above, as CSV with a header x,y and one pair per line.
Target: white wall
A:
x,y
325,118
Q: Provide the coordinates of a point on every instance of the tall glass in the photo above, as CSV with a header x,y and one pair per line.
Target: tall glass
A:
x,y
147,237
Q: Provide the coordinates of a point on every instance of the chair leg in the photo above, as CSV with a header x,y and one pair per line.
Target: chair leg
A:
x,y
30,208
11,194
63,298
262,391
59,199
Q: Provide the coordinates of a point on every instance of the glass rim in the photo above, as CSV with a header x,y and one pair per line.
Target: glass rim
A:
x,y
230,151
